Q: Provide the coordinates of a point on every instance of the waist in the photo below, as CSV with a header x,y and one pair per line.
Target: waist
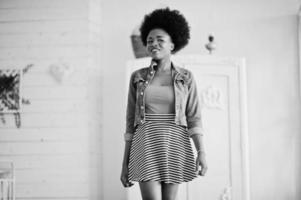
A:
x,y
160,117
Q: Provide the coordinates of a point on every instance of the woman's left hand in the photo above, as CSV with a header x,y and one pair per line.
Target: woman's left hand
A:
x,y
201,161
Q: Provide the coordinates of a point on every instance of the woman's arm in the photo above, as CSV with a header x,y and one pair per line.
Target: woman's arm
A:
x,y
201,159
128,135
130,110
198,143
195,126
126,154
125,170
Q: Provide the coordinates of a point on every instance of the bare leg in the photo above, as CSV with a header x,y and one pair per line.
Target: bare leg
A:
x,y
169,191
150,190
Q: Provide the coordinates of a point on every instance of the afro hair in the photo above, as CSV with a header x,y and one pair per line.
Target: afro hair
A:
x,y
171,21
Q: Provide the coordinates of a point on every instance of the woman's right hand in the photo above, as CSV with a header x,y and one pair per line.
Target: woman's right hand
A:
x,y
125,177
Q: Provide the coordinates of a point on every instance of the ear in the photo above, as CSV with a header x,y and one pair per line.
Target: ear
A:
x,y
172,46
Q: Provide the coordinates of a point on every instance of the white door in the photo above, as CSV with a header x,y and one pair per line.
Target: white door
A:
x,y
222,91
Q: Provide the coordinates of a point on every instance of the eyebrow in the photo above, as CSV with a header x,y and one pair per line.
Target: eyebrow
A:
x,y
158,36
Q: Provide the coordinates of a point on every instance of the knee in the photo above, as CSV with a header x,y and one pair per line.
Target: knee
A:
x,y
171,195
169,191
168,197
150,198
150,190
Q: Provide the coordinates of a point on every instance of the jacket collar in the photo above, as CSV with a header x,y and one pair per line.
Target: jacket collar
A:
x,y
176,70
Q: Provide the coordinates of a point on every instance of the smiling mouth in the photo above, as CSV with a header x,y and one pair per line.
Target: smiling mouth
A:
x,y
154,50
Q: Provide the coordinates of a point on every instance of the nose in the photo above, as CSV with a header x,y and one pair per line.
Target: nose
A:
x,y
154,43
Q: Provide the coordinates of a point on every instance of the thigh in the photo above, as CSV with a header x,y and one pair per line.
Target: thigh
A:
x,y
169,191
150,190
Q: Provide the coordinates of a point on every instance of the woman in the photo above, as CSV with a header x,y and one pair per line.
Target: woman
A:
x,y
163,111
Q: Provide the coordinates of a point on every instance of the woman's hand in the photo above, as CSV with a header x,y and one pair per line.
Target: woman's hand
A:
x,y
125,177
201,161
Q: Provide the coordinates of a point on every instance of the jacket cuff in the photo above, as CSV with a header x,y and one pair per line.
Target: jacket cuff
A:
x,y
195,131
128,136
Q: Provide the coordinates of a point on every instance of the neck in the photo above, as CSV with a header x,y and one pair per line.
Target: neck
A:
x,y
163,65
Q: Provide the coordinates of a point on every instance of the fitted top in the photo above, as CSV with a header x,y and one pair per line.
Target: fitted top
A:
x,y
160,96
159,99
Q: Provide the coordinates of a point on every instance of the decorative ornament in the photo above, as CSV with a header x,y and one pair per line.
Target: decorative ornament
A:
x,y
211,97
211,46
61,71
227,194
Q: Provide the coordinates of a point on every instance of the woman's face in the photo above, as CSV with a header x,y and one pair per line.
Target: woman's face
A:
x,y
159,44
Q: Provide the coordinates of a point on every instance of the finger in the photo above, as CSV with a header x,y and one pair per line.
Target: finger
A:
x,y
203,171
124,182
129,184
197,164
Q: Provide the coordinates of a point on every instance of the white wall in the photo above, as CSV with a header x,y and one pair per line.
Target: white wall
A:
x,y
263,31
57,149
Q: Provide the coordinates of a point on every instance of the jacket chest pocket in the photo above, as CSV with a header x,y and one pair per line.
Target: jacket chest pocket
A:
x,y
140,86
182,87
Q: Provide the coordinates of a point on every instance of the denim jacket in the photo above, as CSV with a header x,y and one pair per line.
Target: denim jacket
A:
x,y
187,105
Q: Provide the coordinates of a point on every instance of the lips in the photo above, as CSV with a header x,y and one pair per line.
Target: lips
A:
x,y
154,50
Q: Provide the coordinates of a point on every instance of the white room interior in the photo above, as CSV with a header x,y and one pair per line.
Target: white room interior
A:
x,y
70,144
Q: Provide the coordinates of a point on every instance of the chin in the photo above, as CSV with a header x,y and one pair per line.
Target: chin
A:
x,y
154,57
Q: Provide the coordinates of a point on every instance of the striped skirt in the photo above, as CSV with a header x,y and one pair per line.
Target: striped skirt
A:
x,y
161,151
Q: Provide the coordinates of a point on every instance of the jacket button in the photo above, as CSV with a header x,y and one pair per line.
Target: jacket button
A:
x,y
141,93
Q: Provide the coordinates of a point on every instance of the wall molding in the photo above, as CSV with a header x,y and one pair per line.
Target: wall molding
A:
x,y
299,47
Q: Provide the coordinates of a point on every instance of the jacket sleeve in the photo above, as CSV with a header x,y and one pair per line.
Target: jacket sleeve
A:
x,y
130,110
193,109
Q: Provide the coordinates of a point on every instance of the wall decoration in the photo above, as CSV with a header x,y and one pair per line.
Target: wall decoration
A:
x,y
10,93
211,45
137,45
61,71
226,194
211,97
10,80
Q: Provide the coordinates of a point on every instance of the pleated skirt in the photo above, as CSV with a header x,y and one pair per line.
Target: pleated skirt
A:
x,y
161,151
